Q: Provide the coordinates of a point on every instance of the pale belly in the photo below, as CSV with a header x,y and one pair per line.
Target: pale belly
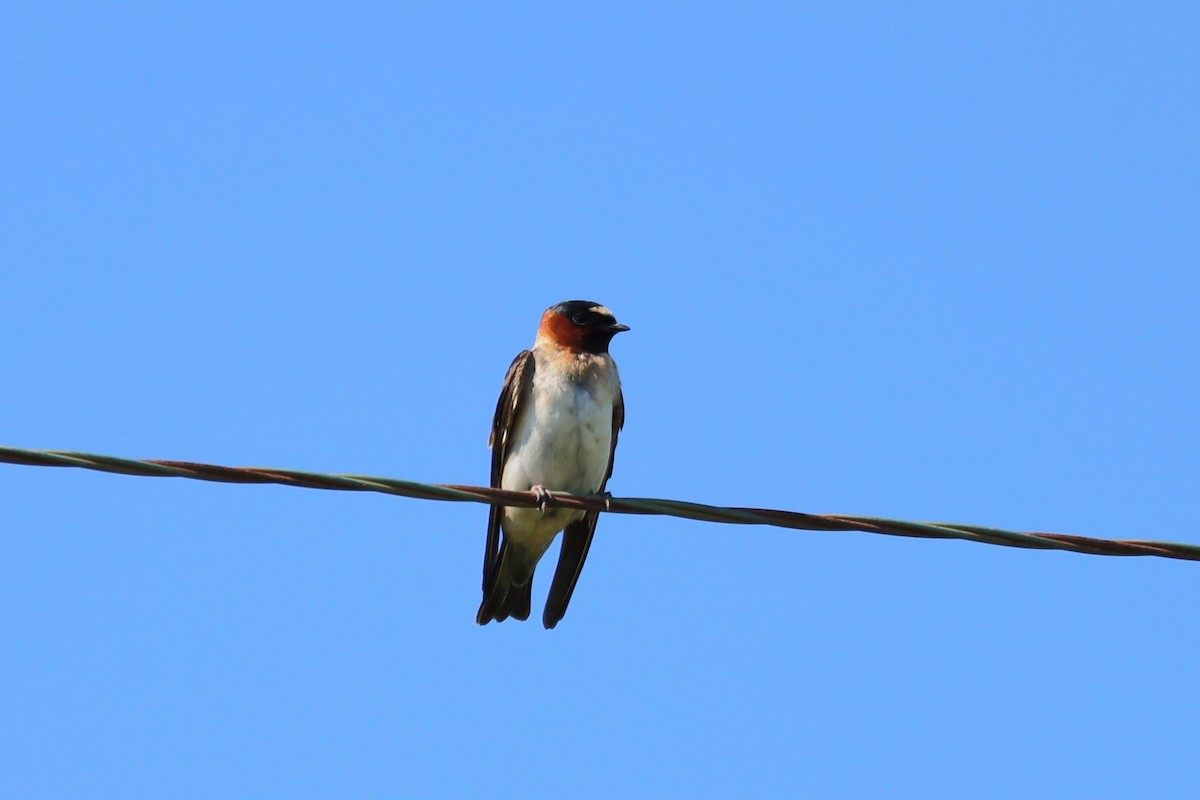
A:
x,y
563,443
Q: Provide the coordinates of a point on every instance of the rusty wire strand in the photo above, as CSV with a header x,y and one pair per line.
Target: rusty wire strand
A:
x,y
617,505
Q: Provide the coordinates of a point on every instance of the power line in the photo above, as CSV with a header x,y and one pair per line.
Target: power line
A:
x,y
616,505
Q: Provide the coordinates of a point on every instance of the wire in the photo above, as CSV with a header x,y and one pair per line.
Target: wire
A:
x,y
622,505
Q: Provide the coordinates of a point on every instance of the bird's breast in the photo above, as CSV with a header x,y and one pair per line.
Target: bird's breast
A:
x,y
564,439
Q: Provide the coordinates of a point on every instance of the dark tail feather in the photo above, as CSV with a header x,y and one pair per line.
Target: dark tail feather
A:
x,y
502,603
577,539
504,596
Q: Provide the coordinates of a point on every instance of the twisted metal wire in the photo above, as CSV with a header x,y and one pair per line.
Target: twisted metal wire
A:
x,y
624,505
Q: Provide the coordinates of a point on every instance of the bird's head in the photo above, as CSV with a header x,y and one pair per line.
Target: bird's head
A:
x,y
580,326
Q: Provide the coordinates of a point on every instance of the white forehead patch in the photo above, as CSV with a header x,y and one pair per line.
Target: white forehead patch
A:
x,y
603,310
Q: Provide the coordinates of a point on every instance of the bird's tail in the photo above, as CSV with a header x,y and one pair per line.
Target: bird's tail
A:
x,y
509,589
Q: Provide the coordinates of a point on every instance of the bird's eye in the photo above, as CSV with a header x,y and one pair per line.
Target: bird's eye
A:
x,y
580,318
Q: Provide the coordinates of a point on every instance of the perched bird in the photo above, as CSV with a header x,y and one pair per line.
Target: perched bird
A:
x,y
555,428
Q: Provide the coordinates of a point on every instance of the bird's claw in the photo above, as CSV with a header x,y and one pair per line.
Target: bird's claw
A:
x,y
543,497
607,498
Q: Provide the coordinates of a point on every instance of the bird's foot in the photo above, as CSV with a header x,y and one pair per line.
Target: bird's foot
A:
x,y
543,496
607,498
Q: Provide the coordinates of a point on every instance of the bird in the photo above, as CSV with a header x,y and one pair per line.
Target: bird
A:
x,y
555,429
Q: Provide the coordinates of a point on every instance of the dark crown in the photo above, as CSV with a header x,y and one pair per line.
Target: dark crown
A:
x,y
585,313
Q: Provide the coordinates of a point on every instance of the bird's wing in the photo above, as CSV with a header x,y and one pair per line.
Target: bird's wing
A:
x,y
513,399
577,538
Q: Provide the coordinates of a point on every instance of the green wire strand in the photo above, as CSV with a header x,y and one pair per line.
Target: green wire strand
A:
x,y
793,520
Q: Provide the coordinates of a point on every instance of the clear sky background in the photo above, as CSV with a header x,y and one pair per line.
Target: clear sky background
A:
x,y
935,262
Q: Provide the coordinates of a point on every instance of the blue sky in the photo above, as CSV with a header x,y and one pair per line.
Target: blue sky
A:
x,y
929,263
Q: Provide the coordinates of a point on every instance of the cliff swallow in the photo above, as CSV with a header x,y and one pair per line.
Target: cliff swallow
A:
x,y
555,428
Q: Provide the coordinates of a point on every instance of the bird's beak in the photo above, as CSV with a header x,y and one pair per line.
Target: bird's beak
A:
x,y
616,327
